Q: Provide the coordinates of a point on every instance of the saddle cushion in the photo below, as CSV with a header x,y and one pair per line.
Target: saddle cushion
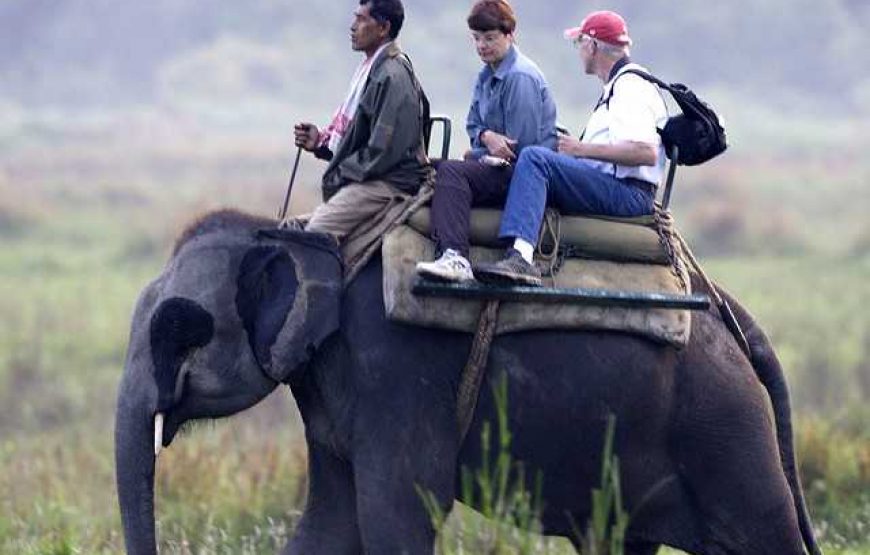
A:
x,y
601,237
405,246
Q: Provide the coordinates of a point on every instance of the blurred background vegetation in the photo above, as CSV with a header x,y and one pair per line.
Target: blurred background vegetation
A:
x,y
119,121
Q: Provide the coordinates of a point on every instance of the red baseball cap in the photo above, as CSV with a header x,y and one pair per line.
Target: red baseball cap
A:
x,y
605,26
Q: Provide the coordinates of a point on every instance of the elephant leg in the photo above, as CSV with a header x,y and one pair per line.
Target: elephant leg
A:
x,y
392,474
730,460
329,523
392,516
747,511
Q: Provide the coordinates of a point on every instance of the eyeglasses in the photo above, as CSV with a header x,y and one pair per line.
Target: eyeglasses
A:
x,y
487,39
581,40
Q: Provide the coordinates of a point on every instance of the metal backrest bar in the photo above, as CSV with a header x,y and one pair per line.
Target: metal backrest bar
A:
x,y
445,138
674,155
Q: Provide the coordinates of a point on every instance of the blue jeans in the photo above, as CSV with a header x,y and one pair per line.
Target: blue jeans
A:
x,y
570,184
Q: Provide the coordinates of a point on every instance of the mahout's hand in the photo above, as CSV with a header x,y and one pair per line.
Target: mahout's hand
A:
x,y
305,135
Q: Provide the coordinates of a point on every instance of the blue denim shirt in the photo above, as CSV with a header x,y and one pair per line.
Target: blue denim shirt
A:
x,y
515,101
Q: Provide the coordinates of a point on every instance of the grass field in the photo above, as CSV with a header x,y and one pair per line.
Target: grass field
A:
x,y
74,257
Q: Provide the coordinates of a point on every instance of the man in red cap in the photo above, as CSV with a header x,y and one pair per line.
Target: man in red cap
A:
x,y
612,169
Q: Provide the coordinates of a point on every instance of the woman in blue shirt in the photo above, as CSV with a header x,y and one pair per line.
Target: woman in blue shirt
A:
x,y
511,109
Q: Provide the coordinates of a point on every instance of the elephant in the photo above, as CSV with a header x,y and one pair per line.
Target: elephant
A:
x,y
703,433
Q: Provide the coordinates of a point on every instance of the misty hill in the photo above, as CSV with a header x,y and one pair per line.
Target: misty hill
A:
x,y
75,53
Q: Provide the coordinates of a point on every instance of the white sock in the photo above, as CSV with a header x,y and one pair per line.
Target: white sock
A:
x,y
524,248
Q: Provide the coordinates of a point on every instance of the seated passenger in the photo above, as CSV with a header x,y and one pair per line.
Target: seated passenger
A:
x,y
511,109
612,169
374,142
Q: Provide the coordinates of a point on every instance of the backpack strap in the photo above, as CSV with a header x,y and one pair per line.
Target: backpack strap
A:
x,y
649,77
643,74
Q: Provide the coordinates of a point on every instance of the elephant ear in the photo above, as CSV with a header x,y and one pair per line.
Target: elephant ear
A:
x,y
288,299
178,326
267,287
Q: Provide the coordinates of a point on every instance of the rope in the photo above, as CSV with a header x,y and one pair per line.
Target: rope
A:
x,y
552,226
472,374
667,232
669,238
724,308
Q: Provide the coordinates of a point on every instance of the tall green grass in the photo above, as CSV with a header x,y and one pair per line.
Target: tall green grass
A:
x,y
498,491
510,513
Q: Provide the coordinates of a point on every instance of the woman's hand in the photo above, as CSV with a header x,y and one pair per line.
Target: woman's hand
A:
x,y
499,145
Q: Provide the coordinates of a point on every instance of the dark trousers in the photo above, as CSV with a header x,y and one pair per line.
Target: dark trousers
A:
x,y
459,185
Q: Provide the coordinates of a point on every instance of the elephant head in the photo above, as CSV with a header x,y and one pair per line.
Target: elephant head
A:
x,y
236,311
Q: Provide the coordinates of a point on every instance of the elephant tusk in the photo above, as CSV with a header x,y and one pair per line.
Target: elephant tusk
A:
x,y
158,433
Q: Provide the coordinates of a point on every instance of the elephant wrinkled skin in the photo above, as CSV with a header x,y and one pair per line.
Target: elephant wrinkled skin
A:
x,y
703,435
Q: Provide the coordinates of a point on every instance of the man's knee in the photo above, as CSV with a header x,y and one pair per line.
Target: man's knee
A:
x,y
451,173
328,223
336,217
535,154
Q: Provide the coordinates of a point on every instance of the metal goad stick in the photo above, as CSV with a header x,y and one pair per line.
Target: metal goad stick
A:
x,y
283,213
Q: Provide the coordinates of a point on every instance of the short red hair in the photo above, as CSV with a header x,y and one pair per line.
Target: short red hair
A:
x,y
492,15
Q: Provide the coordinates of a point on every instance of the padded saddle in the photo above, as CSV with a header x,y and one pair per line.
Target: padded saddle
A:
x,y
606,253
595,237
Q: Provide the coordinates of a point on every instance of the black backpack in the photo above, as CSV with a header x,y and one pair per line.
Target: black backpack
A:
x,y
697,132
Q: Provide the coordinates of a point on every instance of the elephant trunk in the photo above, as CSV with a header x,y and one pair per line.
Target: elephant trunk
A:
x,y
134,467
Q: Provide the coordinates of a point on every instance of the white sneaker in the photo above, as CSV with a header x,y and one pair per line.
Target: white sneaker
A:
x,y
452,266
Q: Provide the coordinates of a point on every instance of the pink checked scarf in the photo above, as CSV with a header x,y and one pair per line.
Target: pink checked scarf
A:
x,y
332,134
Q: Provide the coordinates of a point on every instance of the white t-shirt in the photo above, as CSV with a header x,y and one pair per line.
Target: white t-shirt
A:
x,y
635,111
